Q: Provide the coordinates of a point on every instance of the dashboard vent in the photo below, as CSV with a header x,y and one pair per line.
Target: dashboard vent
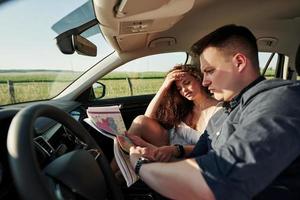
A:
x,y
44,145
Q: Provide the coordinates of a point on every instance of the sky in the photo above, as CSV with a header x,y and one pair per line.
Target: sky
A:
x,y
27,40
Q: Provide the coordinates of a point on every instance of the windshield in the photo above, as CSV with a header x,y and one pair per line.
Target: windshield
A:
x,y
31,65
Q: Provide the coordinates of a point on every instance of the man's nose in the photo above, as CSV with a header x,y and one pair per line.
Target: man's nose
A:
x,y
205,81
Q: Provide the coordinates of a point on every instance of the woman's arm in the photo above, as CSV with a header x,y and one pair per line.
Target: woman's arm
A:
x,y
155,102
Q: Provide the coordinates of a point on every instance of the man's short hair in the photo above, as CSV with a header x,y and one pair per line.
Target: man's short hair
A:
x,y
231,38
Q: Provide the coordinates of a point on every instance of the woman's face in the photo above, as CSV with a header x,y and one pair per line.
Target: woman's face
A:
x,y
189,87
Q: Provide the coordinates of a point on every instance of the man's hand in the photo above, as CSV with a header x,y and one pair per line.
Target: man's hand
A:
x,y
164,153
159,154
175,180
137,152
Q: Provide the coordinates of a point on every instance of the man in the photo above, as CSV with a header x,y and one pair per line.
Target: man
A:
x,y
250,148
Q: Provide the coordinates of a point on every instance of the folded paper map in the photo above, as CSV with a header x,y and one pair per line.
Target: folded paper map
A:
x,y
108,121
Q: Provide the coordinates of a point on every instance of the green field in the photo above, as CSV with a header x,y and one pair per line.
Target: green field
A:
x,y
40,85
37,76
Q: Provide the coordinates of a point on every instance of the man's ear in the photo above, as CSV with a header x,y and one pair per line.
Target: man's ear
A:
x,y
239,60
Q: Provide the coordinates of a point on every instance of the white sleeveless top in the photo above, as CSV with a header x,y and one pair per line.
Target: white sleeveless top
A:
x,y
185,135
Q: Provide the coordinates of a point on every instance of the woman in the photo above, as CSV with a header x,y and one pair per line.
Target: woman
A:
x,y
177,114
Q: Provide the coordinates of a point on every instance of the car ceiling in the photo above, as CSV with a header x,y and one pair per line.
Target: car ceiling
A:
x,y
174,25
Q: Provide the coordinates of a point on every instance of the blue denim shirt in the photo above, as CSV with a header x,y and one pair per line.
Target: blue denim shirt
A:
x,y
245,150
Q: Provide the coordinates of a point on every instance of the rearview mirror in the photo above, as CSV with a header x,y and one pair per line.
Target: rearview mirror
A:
x,y
70,41
65,44
83,46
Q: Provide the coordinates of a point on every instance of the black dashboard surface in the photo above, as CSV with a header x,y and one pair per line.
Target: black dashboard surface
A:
x,y
52,134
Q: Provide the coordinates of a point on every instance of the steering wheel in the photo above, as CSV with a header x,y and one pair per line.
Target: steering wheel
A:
x,y
78,173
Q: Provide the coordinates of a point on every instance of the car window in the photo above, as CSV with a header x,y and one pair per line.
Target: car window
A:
x,y
31,66
141,76
268,63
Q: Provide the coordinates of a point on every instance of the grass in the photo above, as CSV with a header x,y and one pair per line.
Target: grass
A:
x,y
29,91
37,76
119,88
37,85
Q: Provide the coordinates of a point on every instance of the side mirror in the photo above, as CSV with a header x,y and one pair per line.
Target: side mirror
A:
x,y
98,90
83,46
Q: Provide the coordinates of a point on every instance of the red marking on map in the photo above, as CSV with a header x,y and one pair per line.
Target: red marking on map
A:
x,y
104,124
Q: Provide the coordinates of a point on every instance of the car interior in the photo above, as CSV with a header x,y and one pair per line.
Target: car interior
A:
x,y
47,151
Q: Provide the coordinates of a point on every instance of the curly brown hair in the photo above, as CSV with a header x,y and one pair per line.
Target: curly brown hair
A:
x,y
175,107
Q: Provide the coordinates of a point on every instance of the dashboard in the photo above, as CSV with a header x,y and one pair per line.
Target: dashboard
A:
x,y
51,140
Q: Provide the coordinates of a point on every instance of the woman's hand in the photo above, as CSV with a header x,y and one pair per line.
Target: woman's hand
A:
x,y
163,90
175,75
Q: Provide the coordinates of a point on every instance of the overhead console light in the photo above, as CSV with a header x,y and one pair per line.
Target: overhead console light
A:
x,y
132,7
267,42
135,26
